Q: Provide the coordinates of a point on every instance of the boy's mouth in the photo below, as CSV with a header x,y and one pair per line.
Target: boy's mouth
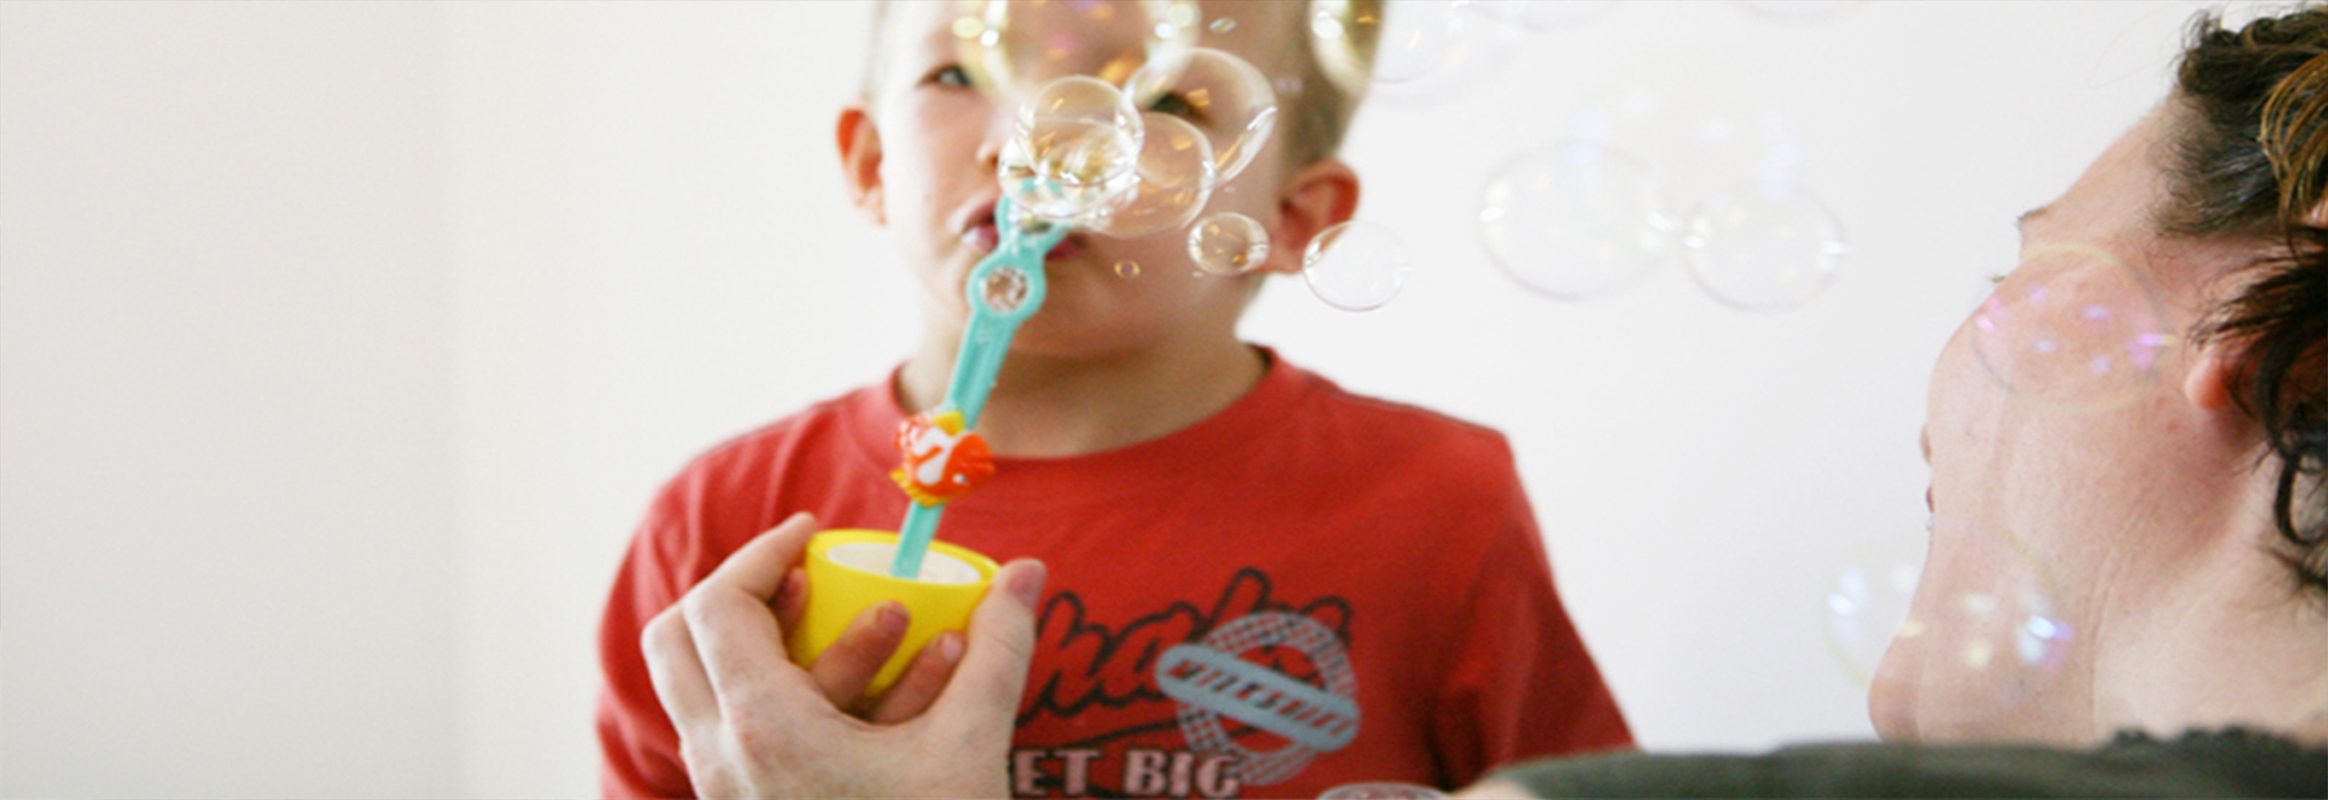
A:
x,y
984,236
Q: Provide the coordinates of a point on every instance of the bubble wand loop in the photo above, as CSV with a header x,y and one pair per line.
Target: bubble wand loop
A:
x,y
1005,289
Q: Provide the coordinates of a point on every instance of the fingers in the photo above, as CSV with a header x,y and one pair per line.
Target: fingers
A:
x,y
986,686
729,618
791,599
921,682
676,672
844,669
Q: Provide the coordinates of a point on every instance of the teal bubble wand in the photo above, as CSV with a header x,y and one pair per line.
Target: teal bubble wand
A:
x,y
944,458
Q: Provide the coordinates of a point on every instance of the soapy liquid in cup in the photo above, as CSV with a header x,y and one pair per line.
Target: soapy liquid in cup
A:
x,y
874,557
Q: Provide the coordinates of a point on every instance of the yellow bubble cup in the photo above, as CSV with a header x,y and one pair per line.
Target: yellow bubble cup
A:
x,y
848,572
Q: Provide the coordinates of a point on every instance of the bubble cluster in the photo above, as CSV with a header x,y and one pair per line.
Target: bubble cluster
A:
x,y
1594,213
1173,177
1013,47
2073,328
1074,151
1228,243
1355,266
1763,245
1575,220
1975,627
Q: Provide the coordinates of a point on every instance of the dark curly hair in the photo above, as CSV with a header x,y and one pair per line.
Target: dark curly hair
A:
x,y
2250,160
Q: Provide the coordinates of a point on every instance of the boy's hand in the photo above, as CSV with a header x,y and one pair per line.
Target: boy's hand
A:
x,y
752,723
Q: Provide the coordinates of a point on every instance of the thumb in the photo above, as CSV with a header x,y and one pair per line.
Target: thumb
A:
x,y
984,694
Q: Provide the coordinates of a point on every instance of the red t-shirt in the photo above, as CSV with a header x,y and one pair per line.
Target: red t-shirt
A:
x,y
1307,589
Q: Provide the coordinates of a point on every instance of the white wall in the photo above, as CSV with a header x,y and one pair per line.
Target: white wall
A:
x,y
340,346
226,413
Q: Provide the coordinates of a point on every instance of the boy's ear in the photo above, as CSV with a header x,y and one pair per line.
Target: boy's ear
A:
x,y
2208,385
1318,196
860,147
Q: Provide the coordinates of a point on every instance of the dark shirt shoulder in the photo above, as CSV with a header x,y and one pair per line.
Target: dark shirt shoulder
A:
x,y
2230,763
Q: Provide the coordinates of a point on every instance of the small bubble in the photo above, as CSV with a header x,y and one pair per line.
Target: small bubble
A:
x,y
1222,25
1228,243
1355,266
1127,268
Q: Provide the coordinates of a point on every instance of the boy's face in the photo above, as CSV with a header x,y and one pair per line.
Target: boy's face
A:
x,y
920,159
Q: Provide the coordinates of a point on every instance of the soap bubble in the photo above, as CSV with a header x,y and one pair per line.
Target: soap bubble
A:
x,y
1763,245
1004,289
1219,93
1355,266
1544,16
1228,243
1701,147
1074,150
1984,635
2072,329
1423,47
1174,178
1575,220
1799,11
1869,599
1011,47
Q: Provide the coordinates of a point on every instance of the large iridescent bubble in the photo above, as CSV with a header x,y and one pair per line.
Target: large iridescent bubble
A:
x,y
1221,95
1013,47
1423,48
2073,329
1980,632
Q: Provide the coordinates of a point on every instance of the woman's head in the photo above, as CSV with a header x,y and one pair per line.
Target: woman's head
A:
x,y
2173,518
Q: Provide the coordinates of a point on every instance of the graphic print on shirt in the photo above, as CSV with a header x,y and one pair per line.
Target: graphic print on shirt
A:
x,y
1193,700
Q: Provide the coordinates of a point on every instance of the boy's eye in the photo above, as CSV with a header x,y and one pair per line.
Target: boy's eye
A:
x,y
1175,104
948,75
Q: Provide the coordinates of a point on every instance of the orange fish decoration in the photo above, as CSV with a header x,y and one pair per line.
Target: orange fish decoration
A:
x,y
943,461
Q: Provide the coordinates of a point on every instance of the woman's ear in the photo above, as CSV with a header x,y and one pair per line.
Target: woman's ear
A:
x,y
1318,196
860,148
2208,385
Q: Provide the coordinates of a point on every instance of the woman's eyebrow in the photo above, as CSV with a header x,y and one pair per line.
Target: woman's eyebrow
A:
x,y
2030,215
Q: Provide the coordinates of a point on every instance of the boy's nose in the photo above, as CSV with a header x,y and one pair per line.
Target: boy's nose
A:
x,y
990,147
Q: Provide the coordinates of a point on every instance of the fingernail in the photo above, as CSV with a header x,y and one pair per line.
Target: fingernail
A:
x,y
891,618
950,647
1026,585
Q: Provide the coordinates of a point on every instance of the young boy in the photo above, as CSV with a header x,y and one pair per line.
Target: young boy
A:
x,y
1259,583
